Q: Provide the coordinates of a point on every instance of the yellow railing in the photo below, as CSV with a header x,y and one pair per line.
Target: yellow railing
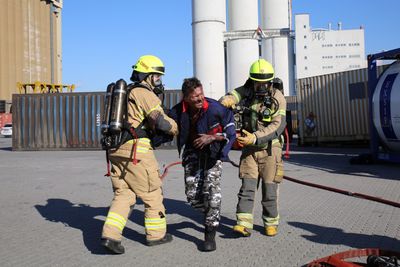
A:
x,y
39,87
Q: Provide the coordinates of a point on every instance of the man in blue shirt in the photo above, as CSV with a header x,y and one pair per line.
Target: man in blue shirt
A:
x,y
207,132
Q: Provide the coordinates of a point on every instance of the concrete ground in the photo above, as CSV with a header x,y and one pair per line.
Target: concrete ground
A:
x,y
53,205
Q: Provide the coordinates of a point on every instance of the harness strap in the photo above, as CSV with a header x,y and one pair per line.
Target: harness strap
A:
x,y
133,132
108,174
287,144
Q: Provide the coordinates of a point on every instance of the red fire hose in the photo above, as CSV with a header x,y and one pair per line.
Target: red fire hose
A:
x,y
375,255
167,167
344,192
332,189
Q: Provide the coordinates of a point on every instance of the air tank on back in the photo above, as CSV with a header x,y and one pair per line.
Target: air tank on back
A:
x,y
118,106
107,109
386,107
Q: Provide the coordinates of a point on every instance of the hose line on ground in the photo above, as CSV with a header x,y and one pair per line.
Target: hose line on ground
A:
x,y
332,189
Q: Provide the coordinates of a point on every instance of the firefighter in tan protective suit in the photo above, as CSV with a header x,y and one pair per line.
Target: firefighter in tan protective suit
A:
x,y
263,122
134,171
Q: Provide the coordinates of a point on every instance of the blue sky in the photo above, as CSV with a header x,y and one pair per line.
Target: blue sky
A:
x,y
101,40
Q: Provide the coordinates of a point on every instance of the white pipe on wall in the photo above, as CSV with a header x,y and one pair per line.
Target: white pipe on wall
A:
x,y
276,15
243,15
208,27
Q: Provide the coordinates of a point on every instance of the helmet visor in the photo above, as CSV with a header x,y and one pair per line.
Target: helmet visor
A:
x,y
159,69
261,76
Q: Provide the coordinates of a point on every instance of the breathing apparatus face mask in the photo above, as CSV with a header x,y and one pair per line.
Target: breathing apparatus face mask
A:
x,y
261,90
156,82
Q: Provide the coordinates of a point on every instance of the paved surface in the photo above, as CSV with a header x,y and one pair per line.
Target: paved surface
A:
x,y
53,205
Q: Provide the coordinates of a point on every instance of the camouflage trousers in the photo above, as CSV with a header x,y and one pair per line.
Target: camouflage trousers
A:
x,y
202,185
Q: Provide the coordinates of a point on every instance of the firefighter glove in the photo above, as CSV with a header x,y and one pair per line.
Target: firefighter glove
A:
x,y
247,138
228,101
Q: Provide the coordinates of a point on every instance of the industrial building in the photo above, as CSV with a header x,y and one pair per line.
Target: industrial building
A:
x,y
325,51
30,44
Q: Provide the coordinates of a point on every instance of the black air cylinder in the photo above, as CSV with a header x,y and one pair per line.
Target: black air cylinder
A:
x,y
107,109
118,106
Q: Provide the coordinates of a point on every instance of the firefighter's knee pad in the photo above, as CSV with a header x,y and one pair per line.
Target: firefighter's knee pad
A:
x,y
246,195
248,188
270,199
269,191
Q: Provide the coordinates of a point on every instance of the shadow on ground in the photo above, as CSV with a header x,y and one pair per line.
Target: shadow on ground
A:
x,y
337,160
335,236
83,218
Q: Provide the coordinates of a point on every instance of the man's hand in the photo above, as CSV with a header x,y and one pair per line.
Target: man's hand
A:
x,y
247,139
203,140
228,101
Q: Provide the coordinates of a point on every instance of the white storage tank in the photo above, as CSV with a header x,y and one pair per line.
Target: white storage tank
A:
x,y
278,50
208,28
241,53
386,107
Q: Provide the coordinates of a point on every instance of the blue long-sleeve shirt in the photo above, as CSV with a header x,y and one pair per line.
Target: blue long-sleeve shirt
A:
x,y
214,119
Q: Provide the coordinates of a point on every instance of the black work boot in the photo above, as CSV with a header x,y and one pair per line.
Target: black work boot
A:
x,y
113,246
167,238
209,238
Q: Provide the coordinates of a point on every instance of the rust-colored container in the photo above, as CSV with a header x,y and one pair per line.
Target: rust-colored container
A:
x,y
64,121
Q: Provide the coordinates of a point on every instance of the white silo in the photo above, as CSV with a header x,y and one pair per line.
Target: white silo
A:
x,y
208,27
278,47
241,52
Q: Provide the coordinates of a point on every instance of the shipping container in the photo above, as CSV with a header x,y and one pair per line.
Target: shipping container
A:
x,y
336,105
170,99
291,113
57,121
64,121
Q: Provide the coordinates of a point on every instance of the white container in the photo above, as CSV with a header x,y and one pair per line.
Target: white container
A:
x,y
386,107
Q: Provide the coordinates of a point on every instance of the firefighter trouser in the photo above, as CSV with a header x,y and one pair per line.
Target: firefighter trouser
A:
x,y
130,181
255,165
202,185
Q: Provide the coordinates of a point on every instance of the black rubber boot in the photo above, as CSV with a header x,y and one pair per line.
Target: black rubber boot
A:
x,y
113,246
209,238
167,238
